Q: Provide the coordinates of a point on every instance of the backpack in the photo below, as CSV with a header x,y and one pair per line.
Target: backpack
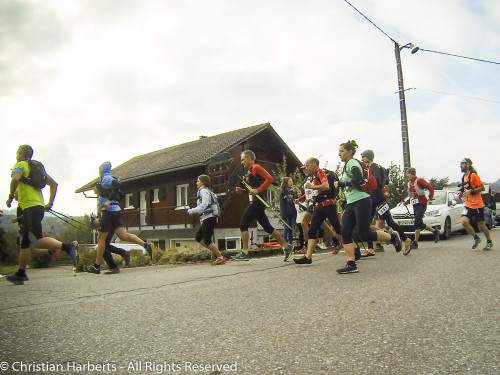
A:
x,y
369,182
332,192
37,176
114,194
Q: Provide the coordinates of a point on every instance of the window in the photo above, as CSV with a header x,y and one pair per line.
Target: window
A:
x,y
182,196
128,201
156,195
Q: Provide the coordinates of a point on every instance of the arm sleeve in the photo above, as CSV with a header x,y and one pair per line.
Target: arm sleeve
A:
x,y
205,202
357,176
425,185
268,179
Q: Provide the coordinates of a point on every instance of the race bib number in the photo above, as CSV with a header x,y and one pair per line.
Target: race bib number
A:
x,y
382,208
414,200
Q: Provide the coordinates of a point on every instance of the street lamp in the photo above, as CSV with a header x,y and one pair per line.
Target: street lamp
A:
x,y
402,103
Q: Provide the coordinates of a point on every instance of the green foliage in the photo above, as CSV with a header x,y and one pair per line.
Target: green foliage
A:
x,y
439,184
42,260
397,185
283,171
8,253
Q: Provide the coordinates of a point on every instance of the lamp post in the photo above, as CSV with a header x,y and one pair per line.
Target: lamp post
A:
x,y
402,105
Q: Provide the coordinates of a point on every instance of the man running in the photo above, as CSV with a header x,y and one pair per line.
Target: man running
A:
x,y
30,200
471,189
258,179
324,206
111,219
416,197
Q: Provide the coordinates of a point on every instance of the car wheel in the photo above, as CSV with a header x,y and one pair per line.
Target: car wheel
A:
x,y
447,229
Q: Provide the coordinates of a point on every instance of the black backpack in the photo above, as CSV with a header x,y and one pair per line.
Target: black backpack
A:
x,y
37,176
332,192
114,194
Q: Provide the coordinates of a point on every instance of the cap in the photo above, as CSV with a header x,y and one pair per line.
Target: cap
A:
x,y
105,167
411,171
369,154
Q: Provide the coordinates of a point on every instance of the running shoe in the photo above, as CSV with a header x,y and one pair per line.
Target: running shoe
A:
x,y
303,260
367,254
301,251
407,246
73,251
489,246
414,245
288,250
241,256
357,253
436,235
350,267
322,246
477,241
219,261
14,279
379,248
91,269
396,241
112,271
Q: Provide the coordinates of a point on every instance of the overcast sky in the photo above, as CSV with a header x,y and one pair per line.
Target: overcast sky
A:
x,y
83,82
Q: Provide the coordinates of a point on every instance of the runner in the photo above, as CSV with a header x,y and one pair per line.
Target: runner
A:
x,y
209,211
416,196
380,206
258,180
31,201
111,219
471,189
324,207
358,209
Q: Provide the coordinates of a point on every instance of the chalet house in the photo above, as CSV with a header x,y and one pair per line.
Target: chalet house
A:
x,y
160,186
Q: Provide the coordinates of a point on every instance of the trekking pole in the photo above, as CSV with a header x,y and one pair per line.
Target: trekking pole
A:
x,y
57,214
264,202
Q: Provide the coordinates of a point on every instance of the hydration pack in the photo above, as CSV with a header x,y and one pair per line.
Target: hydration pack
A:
x,y
369,182
37,176
114,194
332,192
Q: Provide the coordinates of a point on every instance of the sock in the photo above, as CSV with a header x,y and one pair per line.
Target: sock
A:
x,y
20,272
351,262
145,245
97,266
476,236
489,241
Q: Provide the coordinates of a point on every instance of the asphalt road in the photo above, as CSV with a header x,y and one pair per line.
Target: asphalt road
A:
x,y
435,311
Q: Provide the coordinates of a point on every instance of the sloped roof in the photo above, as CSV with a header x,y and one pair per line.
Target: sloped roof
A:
x,y
183,156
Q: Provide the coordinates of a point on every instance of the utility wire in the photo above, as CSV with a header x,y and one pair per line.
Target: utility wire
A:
x,y
419,49
463,57
369,20
461,96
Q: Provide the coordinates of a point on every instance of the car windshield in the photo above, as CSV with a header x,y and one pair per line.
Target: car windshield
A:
x,y
440,197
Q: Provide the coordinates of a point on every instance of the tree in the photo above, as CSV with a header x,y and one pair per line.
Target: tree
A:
x,y
396,186
439,184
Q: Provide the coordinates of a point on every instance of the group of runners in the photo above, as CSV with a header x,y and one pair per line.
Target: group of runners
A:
x,y
363,195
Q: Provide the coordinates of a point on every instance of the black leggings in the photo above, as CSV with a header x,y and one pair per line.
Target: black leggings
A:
x,y
206,231
255,211
319,215
388,219
358,213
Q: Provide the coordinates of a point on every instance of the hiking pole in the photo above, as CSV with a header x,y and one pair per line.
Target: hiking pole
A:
x,y
56,214
264,202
